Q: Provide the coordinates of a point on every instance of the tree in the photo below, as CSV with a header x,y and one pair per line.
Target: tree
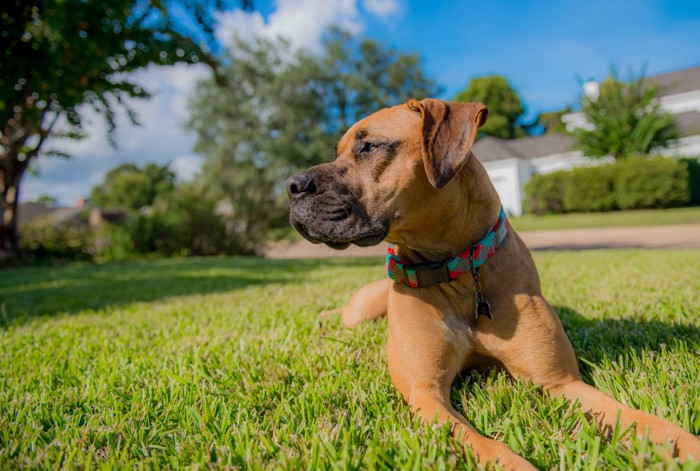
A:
x,y
132,188
285,113
363,76
59,56
551,121
625,119
505,106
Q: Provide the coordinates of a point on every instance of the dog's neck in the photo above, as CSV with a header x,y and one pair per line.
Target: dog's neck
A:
x,y
471,209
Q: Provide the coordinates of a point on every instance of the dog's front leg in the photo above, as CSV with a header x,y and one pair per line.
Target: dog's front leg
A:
x,y
368,303
424,358
540,352
607,411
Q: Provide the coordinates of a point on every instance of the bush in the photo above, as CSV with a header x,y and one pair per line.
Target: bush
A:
x,y
543,193
183,223
43,240
693,180
657,182
634,183
589,189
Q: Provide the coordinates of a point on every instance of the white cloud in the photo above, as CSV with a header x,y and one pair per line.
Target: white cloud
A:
x,y
382,8
302,22
161,138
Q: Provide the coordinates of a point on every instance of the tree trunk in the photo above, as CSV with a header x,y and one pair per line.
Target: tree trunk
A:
x,y
9,187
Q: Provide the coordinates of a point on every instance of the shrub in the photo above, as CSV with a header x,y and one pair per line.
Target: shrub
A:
x,y
693,180
543,193
656,182
589,189
43,240
633,183
183,223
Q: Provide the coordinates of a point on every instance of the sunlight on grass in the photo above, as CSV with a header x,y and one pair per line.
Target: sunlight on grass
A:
x,y
224,362
652,217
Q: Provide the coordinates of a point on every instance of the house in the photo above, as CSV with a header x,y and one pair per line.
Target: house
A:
x,y
80,213
511,163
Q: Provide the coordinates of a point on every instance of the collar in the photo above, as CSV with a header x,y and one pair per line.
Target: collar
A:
x,y
422,275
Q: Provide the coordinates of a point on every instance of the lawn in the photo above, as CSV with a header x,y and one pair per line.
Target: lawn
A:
x,y
651,217
224,363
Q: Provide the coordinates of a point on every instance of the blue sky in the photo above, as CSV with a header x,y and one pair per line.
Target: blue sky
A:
x,y
545,48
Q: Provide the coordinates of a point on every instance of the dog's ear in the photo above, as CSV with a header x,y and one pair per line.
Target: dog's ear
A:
x,y
449,130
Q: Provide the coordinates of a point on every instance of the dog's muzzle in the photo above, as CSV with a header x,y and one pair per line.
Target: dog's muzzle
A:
x,y
323,210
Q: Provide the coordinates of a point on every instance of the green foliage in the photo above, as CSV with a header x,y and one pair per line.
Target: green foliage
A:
x,y
182,222
57,55
588,189
42,240
224,363
551,121
359,77
505,106
626,120
657,182
544,193
283,112
59,58
693,179
129,187
635,183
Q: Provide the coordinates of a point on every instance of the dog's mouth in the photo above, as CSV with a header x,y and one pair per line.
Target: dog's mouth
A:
x,y
336,225
334,235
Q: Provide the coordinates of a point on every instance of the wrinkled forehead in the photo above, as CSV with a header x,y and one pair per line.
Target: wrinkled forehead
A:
x,y
387,124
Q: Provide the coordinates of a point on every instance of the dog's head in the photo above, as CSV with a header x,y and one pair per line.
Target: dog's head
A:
x,y
389,169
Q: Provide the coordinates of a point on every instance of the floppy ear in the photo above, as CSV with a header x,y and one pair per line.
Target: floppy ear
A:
x,y
449,130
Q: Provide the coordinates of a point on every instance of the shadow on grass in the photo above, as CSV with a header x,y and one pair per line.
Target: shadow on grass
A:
x,y
599,339
30,292
596,339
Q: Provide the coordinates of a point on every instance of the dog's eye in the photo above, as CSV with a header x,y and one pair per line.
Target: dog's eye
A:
x,y
369,147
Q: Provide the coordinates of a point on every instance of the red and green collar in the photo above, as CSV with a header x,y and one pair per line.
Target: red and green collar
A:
x,y
421,275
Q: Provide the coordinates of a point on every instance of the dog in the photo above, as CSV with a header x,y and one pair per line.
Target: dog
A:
x,y
463,291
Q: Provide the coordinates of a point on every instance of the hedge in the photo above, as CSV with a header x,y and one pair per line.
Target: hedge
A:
x,y
589,189
634,183
43,240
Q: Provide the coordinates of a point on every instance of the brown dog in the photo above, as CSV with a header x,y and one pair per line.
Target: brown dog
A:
x,y
407,175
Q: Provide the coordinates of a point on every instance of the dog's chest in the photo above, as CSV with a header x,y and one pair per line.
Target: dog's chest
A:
x,y
458,332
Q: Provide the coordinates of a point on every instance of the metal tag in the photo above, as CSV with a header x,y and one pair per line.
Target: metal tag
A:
x,y
483,308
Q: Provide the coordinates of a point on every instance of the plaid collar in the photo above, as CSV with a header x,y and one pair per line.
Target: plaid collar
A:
x,y
421,275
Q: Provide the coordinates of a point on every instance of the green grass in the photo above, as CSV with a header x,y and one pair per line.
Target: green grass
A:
x,y
652,217
225,363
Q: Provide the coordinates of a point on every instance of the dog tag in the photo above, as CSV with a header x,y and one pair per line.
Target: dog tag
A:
x,y
483,308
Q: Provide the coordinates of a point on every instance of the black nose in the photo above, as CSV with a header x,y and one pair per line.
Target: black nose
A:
x,y
300,184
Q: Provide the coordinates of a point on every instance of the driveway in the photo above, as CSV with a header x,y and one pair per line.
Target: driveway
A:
x,y
686,236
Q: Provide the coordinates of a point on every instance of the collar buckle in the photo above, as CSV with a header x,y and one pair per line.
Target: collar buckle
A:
x,y
429,274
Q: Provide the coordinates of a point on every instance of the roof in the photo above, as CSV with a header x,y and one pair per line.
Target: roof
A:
x,y
30,211
490,149
681,81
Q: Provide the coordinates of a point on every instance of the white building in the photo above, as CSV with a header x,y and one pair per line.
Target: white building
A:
x,y
511,163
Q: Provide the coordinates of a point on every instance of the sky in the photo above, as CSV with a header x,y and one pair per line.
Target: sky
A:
x,y
546,48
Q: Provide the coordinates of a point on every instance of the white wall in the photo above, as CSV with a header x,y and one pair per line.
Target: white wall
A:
x,y
505,176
